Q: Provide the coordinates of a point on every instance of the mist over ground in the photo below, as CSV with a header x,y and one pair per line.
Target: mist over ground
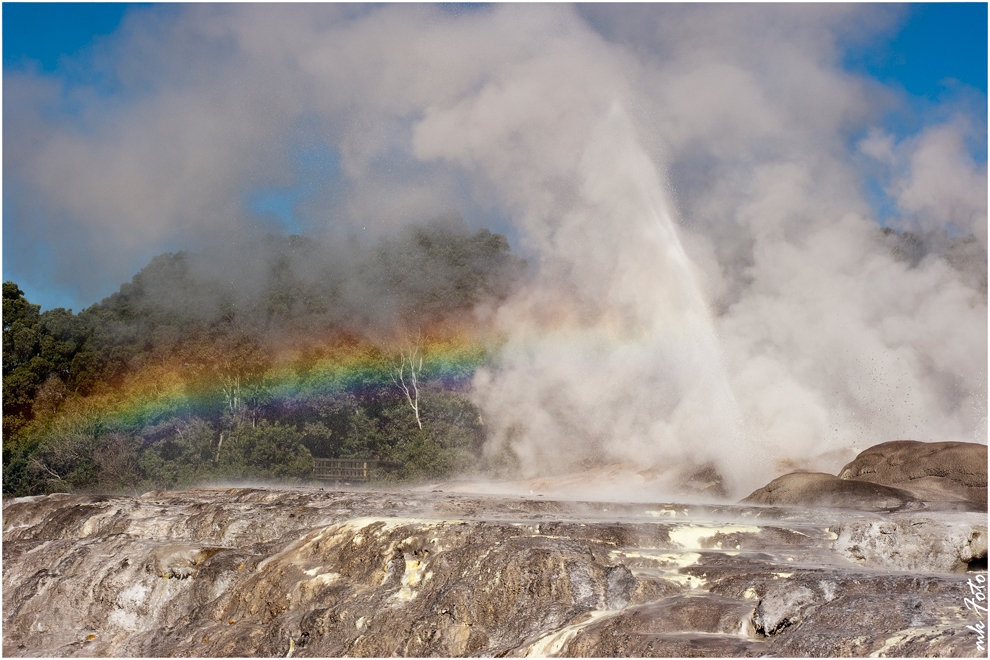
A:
x,y
710,282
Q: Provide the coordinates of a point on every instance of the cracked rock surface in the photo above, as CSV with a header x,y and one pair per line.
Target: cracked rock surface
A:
x,y
312,572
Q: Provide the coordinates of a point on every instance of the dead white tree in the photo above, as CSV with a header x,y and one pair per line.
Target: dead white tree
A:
x,y
409,356
231,386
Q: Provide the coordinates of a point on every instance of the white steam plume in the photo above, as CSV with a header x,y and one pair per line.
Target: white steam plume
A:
x,y
612,351
710,285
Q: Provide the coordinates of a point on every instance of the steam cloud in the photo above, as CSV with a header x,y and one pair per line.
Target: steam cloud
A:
x,y
710,286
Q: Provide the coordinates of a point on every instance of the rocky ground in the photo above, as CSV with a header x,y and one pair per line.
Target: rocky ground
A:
x,y
314,572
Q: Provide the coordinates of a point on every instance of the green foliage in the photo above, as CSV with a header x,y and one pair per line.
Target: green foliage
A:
x,y
18,452
38,349
266,451
71,459
16,308
220,316
200,453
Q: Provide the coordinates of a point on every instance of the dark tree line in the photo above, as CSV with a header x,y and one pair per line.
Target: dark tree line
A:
x,y
220,321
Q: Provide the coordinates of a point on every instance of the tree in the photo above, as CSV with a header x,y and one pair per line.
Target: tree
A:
x,y
410,355
268,451
20,346
66,461
38,351
16,308
116,461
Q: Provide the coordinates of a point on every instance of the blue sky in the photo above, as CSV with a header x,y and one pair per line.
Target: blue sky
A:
x,y
938,46
937,42
936,56
45,32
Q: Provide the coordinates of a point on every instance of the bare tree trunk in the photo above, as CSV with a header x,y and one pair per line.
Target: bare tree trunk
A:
x,y
219,444
232,392
398,377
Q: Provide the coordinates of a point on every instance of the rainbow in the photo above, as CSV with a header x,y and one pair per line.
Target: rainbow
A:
x,y
320,368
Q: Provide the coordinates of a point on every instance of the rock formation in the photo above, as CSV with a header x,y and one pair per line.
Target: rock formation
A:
x,y
312,572
945,472
826,490
912,544
892,476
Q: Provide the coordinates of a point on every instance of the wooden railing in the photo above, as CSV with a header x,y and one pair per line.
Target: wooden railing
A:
x,y
346,469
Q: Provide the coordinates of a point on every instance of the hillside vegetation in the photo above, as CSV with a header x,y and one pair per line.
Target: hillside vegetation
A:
x,y
246,361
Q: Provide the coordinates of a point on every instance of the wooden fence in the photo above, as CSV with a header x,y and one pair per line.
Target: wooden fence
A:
x,y
346,469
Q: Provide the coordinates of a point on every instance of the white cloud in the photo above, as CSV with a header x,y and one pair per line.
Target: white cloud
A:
x,y
943,185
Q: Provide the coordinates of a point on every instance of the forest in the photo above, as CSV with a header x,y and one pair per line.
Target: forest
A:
x,y
243,362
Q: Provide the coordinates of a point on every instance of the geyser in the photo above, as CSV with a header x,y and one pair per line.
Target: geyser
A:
x,y
612,352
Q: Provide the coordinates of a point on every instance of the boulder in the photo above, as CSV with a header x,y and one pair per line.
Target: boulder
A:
x,y
917,544
825,490
782,606
935,472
